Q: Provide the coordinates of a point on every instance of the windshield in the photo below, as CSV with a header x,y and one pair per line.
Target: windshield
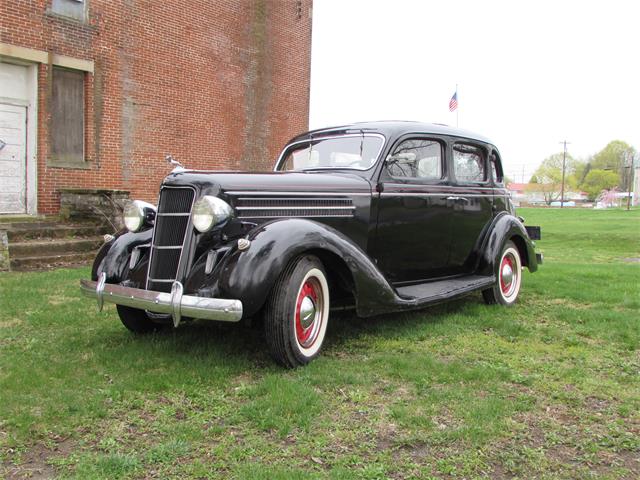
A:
x,y
349,151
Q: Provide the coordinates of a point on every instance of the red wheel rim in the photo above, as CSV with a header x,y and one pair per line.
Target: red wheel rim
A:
x,y
307,318
507,274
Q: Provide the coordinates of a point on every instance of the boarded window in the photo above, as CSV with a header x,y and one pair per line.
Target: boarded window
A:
x,y
67,117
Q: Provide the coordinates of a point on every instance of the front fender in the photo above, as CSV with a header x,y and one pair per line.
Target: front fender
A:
x,y
113,257
250,275
504,227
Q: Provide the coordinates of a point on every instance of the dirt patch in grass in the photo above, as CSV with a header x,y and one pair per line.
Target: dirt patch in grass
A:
x,y
565,302
34,462
387,436
56,300
630,461
12,322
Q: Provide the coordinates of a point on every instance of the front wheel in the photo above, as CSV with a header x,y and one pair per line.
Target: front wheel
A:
x,y
509,277
137,320
297,312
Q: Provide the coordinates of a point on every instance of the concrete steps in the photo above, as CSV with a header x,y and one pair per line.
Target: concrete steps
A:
x,y
46,262
49,243
25,232
54,246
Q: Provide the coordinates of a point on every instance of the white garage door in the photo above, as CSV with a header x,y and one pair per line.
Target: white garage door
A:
x,y
13,136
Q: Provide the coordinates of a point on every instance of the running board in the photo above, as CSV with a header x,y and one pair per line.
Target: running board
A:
x,y
438,291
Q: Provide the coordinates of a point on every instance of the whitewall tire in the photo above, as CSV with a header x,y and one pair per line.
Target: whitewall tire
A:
x,y
297,312
508,277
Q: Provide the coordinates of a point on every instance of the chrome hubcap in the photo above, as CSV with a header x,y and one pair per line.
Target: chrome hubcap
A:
x,y
307,312
308,316
507,274
509,271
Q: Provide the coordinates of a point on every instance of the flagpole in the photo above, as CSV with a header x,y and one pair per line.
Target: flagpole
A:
x,y
457,109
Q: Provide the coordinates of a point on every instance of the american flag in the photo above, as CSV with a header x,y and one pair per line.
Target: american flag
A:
x,y
453,103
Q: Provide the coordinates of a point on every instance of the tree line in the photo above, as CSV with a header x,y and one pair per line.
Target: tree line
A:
x,y
610,168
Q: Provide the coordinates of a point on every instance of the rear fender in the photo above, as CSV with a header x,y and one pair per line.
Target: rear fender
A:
x,y
505,227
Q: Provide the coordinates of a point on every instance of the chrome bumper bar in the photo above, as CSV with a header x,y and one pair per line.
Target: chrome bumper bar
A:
x,y
175,303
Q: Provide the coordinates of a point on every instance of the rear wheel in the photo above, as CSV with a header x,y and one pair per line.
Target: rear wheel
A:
x,y
508,277
137,320
297,312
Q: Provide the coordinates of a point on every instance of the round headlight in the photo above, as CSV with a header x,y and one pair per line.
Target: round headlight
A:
x,y
136,214
209,212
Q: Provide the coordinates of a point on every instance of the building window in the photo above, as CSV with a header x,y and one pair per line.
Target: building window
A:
x,y
67,117
70,8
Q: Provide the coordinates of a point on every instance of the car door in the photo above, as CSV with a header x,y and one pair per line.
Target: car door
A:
x,y
413,230
473,204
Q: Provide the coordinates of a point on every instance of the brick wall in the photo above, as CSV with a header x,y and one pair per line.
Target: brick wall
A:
x,y
219,84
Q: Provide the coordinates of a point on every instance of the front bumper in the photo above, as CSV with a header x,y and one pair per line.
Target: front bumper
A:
x,y
175,303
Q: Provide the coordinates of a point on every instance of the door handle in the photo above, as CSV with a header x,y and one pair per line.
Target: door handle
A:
x,y
458,199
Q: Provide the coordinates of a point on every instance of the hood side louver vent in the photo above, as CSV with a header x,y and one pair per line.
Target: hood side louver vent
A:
x,y
304,207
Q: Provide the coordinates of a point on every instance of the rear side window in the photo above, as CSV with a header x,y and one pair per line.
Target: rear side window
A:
x,y
469,163
416,158
496,169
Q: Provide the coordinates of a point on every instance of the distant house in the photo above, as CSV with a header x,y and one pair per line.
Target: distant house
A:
x,y
533,194
522,193
615,199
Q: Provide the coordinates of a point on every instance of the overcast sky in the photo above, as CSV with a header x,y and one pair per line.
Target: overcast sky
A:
x,y
529,74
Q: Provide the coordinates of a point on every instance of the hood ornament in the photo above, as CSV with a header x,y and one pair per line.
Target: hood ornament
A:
x,y
176,164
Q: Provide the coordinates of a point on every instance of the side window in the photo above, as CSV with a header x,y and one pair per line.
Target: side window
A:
x,y
469,163
416,158
496,169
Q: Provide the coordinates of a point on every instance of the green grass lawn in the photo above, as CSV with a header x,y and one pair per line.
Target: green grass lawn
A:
x,y
547,389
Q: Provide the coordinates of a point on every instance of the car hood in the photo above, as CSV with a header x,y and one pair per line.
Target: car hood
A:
x,y
234,183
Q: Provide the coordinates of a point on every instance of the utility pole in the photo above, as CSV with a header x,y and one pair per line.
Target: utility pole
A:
x,y
630,179
564,163
635,167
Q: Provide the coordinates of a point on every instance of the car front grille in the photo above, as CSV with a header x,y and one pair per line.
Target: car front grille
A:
x,y
294,207
169,237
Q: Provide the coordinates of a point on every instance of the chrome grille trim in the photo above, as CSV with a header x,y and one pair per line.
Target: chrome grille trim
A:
x,y
171,203
314,194
297,207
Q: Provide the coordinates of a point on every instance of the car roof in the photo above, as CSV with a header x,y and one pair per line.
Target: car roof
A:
x,y
394,128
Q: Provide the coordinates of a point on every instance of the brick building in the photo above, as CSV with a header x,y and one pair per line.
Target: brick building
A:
x,y
94,93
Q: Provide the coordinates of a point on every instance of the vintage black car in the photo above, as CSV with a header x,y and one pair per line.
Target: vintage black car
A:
x,y
379,216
